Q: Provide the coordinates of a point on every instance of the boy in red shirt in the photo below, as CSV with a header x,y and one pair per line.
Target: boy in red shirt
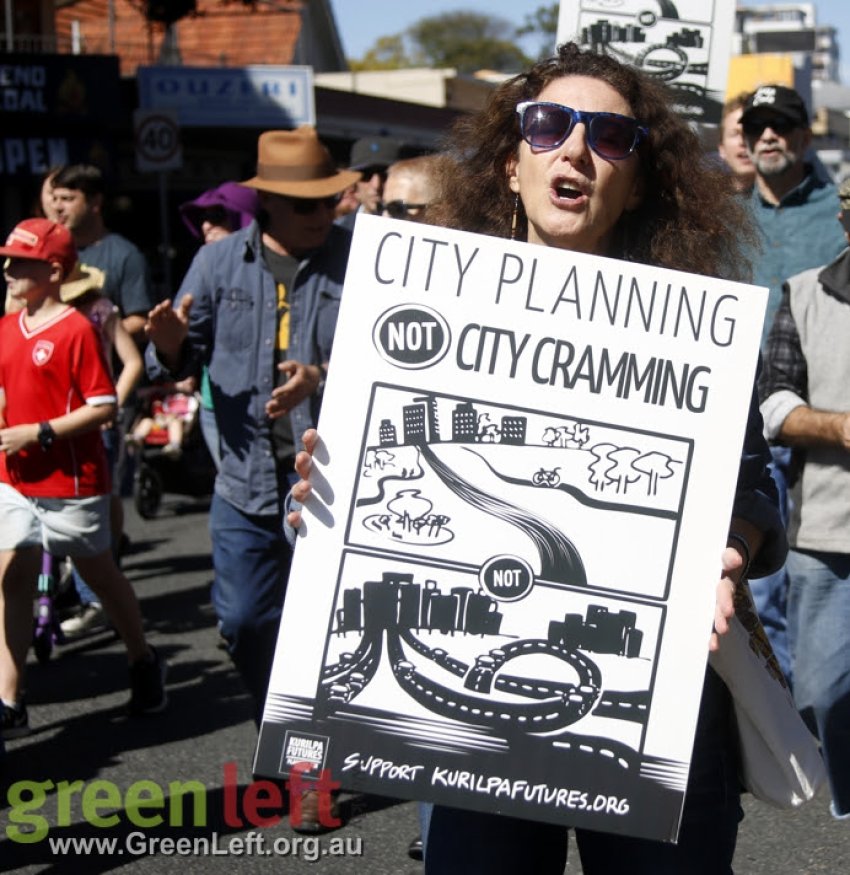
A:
x,y
55,393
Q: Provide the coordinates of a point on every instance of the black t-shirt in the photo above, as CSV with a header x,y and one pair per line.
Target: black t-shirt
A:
x,y
283,268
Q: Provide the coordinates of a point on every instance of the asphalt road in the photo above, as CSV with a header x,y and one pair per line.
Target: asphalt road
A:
x,y
80,735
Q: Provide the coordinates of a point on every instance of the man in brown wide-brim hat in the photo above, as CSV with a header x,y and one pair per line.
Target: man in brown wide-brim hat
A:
x,y
259,308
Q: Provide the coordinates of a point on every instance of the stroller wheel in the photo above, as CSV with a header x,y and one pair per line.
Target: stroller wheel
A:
x,y
148,492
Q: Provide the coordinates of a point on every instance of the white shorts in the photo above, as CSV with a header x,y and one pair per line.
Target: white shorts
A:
x,y
62,526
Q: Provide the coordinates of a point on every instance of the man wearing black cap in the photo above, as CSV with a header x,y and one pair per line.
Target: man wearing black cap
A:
x,y
793,205
806,404
794,209
371,157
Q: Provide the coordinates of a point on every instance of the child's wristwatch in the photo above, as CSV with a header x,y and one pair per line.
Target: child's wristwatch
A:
x,y
46,435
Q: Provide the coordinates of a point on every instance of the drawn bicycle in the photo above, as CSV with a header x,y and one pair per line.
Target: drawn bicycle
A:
x,y
546,477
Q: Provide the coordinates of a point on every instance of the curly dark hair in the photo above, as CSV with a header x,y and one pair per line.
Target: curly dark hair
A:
x,y
689,219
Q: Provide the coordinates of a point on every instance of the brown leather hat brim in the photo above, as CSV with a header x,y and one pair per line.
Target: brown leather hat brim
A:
x,y
308,188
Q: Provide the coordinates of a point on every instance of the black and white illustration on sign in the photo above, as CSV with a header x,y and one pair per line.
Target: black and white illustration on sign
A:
x,y
684,43
534,622
504,586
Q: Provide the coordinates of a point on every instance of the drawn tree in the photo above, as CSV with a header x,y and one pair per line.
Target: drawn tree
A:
x,y
486,432
581,435
550,436
436,522
561,436
624,473
489,434
603,464
566,435
657,466
383,458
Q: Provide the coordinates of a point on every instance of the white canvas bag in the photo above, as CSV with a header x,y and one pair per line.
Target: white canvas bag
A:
x,y
781,762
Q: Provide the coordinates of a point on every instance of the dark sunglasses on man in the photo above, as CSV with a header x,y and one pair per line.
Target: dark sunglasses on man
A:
x,y
305,206
401,209
368,172
755,126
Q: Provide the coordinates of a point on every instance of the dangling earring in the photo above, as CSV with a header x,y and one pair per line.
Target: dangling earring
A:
x,y
514,217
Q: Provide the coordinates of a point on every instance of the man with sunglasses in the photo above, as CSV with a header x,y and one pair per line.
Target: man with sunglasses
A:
x,y
793,205
371,157
259,309
794,210
806,405
410,188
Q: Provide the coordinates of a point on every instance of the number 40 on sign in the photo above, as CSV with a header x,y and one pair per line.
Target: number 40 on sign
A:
x,y
157,138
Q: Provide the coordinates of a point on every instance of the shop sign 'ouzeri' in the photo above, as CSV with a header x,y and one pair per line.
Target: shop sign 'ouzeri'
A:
x,y
504,587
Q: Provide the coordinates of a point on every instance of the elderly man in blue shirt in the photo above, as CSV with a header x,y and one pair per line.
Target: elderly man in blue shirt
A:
x,y
794,208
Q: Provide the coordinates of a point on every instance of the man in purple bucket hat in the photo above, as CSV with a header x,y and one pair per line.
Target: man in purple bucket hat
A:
x,y
219,211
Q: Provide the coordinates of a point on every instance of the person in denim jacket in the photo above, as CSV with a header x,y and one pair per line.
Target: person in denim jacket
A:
x,y
259,309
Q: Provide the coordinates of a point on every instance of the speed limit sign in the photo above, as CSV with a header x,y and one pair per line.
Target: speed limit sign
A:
x,y
157,138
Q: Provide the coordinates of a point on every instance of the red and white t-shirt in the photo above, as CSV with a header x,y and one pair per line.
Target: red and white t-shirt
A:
x,y
47,372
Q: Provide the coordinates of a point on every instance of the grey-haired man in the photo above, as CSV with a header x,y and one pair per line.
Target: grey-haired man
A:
x,y
794,210
806,390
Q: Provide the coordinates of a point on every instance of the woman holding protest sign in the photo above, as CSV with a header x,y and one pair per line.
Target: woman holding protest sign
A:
x,y
584,153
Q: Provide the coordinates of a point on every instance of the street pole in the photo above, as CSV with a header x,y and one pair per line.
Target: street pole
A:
x,y
166,236
10,27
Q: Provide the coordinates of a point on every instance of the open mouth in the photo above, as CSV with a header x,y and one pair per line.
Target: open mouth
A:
x,y
566,193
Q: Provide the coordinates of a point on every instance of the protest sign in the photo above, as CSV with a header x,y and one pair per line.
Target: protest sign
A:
x,y
684,43
504,586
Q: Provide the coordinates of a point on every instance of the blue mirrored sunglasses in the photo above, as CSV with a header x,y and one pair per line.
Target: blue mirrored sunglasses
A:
x,y
609,135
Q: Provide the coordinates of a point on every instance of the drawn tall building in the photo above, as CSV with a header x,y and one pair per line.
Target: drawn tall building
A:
x,y
387,435
513,430
599,632
409,605
433,418
414,424
464,423
603,32
352,611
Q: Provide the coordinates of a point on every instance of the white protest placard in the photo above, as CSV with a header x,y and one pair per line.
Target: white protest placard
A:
x,y
504,588
684,43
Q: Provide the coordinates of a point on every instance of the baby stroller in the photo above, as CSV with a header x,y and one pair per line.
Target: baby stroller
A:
x,y
169,449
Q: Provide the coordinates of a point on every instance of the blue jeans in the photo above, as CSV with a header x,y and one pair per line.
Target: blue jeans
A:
x,y
770,593
462,842
819,622
251,561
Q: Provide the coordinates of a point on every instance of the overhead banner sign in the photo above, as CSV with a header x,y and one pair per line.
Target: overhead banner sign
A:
x,y
60,88
57,109
684,43
505,584
256,97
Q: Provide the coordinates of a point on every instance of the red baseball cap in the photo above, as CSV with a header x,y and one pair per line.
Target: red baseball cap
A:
x,y
42,240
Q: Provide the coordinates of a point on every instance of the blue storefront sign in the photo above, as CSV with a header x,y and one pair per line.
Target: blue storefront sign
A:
x,y
256,96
